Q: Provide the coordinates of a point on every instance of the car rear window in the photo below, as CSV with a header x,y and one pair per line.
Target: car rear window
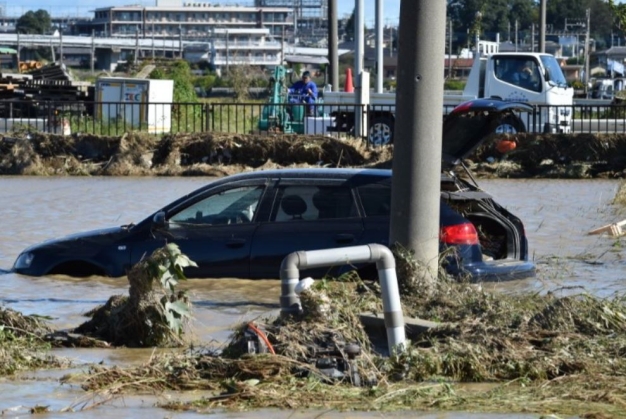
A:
x,y
308,202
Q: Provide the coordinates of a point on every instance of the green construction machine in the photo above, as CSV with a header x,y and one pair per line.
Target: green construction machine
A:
x,y
284,112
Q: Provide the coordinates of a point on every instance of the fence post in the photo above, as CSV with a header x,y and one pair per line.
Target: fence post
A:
x,y
207,117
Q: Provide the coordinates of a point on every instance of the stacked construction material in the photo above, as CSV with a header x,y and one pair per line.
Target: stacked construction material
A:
x,y
51,82
42,92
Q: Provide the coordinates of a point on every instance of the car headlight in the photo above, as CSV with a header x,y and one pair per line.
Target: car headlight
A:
x,y
24,261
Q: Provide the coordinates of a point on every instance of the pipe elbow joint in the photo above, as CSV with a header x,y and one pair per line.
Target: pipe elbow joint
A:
x,y
291,265
383,256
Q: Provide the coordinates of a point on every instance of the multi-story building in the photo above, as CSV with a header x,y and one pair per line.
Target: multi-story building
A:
x,y
233,47
310,17
224,35
173,19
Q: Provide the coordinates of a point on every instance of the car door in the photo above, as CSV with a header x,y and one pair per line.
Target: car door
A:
x,y
215,229
306,215
375,200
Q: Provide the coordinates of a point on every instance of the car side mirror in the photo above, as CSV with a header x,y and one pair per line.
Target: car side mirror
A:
x,y
159,220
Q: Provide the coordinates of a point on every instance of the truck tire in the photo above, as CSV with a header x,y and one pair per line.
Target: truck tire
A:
x,y
381,131
510,124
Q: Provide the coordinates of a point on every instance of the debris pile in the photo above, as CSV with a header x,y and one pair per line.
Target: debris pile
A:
x,y
534,349
153,314
210,154
23,345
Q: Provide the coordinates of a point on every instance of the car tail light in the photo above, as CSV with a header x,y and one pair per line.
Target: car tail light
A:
x,y
459,234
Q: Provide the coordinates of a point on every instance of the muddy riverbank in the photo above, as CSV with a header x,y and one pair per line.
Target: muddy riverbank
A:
x,y
574,156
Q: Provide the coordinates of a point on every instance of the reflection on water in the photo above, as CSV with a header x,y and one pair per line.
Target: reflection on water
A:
x,y
557,215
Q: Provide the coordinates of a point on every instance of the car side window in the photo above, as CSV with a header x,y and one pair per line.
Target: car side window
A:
x,y
376,199
314,203
231,206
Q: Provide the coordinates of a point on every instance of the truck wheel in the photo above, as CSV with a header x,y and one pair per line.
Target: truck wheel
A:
x,y
510,125
381,131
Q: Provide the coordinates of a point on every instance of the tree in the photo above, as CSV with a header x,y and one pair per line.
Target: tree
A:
x,y
38,22
348,27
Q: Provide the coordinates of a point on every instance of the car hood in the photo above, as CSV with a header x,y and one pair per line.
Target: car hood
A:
x,y
470,123
100,237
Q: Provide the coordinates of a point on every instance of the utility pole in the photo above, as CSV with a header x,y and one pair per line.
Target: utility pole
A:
x,y
532,38
136,57
587,52
333,40
61,46
380,64
416,176
93,52
450,48
542,26
360,126
227,55
516,39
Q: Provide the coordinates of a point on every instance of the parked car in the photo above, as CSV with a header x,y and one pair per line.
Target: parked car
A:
x,y
244,225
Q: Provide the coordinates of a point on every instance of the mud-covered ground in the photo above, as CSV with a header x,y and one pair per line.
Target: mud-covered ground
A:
x,y
216,154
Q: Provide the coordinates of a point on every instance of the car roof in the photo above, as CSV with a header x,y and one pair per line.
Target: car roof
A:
x,y
320,173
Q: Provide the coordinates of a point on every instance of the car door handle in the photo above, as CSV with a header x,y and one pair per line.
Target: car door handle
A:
x,y
344,238
235,243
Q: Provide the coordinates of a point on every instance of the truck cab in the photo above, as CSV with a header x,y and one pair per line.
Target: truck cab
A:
x,y
606,88
531,78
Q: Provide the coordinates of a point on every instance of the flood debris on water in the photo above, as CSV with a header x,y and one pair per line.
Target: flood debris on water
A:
x,y
23,345
544,353
154,313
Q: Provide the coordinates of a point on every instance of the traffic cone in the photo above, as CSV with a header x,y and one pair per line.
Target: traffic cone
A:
x,y
349,86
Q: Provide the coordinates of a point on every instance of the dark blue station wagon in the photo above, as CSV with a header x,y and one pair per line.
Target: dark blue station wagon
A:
x,y
243,226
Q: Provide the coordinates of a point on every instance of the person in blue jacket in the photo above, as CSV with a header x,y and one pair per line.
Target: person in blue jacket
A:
x,y
307,90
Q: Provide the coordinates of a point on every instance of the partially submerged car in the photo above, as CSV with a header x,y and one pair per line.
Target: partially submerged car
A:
x,y
243,225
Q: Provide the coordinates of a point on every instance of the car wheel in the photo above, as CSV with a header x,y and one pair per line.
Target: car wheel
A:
x,y
381,131
510,124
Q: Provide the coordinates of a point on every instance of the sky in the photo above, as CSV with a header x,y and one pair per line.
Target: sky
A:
x,y
84,7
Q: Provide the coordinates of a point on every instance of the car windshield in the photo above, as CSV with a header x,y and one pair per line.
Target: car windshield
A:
x,y
555,74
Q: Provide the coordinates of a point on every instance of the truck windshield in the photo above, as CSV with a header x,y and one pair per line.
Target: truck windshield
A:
x,y
553,69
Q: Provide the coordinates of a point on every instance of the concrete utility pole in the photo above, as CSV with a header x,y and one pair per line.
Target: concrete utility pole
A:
x,y
359,87
333,40
587,55
380,64
419,101
542,26
61,47
92,55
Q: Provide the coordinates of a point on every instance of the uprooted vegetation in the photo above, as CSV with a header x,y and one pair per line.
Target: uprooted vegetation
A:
x,y
154,313
23,344
219,154
213,154
540,353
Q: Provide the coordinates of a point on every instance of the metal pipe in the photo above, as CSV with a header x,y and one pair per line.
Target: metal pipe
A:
x,y
385,264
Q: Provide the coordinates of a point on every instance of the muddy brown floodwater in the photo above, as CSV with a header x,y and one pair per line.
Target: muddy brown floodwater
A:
x,y
557,216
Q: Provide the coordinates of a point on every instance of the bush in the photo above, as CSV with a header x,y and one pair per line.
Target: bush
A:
x,y
454,85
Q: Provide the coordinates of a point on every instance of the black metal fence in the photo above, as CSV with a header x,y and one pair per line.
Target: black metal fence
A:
x,y
376,122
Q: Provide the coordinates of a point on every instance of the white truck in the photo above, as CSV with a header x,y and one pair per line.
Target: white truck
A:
x,y
539,81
